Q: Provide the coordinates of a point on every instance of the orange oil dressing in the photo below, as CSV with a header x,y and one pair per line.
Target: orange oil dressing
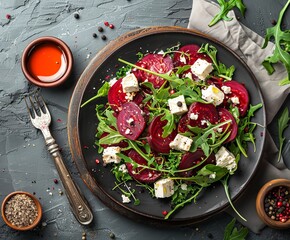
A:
x,y
47,62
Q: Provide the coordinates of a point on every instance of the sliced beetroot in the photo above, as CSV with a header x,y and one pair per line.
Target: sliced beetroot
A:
x,y
182,125
155,63
190,54
225,115
130,121
238,90
139,173
191,159
205,112
155,139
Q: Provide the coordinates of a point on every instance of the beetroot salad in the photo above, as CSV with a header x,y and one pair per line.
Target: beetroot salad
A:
x,y
176,122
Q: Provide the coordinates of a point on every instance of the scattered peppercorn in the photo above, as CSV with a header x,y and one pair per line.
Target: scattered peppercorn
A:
x,y
111,26
273,22
277,204
95,35
164,213
100,29
55,181
8,16
77,16
112,235
210,236
106,23
104,37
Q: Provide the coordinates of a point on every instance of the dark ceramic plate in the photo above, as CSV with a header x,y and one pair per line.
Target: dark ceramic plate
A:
x,y
82,127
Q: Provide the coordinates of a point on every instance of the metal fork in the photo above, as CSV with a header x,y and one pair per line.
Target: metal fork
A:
x,y
40,118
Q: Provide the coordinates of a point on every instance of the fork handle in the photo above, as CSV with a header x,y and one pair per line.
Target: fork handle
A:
x,y
78,203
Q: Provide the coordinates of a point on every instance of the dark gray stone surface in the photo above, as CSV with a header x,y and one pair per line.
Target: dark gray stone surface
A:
x,y
25,163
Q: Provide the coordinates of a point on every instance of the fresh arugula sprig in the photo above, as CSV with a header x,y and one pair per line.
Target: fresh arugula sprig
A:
x,y
282,47
102,92
283,122
221,69
232,233
225,7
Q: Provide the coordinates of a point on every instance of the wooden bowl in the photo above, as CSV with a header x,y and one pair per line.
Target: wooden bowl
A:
x,y
260,203
38,206
58,44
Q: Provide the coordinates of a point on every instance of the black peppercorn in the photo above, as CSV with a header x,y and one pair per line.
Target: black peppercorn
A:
x,y
179,104
100,29
77,16
95,35
104,37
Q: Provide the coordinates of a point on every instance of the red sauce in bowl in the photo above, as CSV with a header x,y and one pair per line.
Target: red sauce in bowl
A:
x,y
47,62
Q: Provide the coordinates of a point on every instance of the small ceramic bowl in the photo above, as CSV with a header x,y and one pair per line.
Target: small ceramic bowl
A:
x,y
29,53
260,203
37,219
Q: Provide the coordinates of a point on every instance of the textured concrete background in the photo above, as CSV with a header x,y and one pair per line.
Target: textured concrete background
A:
x,y
24,162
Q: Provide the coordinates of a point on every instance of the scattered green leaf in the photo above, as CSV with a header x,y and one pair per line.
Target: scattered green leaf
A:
x,y
232,233
283,122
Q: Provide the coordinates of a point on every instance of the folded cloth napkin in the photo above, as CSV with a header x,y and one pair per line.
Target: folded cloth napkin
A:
x,y
247,44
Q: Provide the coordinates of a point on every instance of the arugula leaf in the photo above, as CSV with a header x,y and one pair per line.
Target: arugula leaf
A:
x,y
225,7
102,92
283,122
122,72
232,233
170,126
220,68
282,50
226,188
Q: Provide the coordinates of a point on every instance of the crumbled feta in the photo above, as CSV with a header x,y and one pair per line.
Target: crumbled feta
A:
x,y
161,52
203,122
130,83
193,116
125,199
183,186
130,120
181,143
123,168
130,96
188,75
177,105
164,188
110,155
182,59
213,95
112,82
235,100
201,68
127,131
225,159
213,175
219,130
226,89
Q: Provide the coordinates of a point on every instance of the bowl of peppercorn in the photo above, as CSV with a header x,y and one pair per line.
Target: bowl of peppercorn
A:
x,y
21,211
273,203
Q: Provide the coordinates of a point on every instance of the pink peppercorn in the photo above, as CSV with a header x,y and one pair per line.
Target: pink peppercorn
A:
x,y
8,16
55,181
164,213
106,23
111,26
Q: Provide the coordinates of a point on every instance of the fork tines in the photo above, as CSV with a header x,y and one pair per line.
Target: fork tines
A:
x,y
35,105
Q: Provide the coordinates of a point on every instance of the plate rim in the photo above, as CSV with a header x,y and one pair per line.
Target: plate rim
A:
x,y
73,122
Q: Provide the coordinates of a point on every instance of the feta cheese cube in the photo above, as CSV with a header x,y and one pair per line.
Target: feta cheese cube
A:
x,y
213,95
125,199
177,105
235,100
164,188
109,155
130,83
225,159
181,143
226,89
201,68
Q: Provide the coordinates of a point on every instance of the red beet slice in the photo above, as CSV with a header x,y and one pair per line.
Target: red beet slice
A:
x,y
182,125
130,121
205,112
139,173
191,55
225,115
190,159
155,63
238,90
155,139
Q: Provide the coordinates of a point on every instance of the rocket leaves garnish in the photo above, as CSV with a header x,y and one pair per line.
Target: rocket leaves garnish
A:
x,y
283,122
225,7
232,233
282,47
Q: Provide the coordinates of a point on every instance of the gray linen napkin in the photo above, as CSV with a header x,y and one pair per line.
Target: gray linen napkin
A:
x,y
247,44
